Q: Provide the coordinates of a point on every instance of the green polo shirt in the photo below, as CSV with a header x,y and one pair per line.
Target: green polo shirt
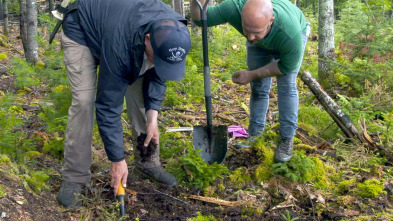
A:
x,y
285,37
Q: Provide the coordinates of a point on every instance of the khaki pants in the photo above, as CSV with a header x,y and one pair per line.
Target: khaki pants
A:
x,y
82,74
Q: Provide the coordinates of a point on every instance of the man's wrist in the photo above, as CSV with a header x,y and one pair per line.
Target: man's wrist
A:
x,y
256,74
151,115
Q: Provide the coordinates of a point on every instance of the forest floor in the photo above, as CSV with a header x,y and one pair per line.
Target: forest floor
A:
x,y
277,199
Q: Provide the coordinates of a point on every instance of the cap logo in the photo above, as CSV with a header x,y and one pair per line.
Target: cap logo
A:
x,y
177,54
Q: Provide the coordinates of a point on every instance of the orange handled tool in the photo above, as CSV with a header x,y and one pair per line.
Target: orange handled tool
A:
x,y
120,196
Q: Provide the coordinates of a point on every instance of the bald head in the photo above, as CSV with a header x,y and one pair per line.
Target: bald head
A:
x,y
257,18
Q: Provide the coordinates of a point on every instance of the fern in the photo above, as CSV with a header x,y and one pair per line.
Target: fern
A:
x,y
200,174
299,168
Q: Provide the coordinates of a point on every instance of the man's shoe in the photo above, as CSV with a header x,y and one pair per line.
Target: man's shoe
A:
x,y
69,195
156,174
284,150
245,144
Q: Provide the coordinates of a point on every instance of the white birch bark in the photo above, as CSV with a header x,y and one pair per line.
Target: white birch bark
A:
x,y
326,50
32,42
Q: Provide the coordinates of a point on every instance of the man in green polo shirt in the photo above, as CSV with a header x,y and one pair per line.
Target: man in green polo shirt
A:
x,y
276,33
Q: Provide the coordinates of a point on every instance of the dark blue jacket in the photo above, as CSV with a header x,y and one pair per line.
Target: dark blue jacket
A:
x,y
115,30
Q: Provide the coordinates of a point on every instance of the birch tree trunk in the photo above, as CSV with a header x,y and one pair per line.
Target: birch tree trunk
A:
x,y
177,5
32,43
210,29
5,14
326,38
22,24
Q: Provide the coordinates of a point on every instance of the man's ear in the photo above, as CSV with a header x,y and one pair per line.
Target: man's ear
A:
x,y
272,20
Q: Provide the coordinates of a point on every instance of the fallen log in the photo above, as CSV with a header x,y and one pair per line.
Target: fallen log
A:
x,y
340,118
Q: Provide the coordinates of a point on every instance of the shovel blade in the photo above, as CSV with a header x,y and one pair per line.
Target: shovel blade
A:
x,y
213,142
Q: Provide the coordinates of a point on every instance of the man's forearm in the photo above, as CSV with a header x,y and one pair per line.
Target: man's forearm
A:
x,y
269,70
195,10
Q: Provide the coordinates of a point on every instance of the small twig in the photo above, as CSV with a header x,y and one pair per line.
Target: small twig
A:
x,y
221,99
312,204
216,201
164,108
128,125
172,197
227,119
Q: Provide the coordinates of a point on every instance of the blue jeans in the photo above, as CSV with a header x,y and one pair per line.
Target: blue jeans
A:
x,y
288,99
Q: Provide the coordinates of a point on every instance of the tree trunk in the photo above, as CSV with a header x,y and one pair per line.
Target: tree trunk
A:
x,y
326,39
391,11
5,14
177,5
210,30
22,24
1,10
32,42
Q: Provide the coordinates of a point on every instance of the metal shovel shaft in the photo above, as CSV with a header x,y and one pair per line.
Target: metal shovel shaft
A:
x,y
206,74
211,139
206,68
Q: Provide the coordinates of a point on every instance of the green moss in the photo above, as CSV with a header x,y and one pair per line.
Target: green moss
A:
x,y
266,154
386,215
1,192
240,177
345,201
319,174
370,188
3,56
319,209
250,211
262,173
6,163
297,140
344,186
221,187
209,191
305,147
40,65
201,217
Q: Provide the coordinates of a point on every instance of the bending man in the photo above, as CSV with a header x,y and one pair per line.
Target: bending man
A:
x,y
138,45
276,38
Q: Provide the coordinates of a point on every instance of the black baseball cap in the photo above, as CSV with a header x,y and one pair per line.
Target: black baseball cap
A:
x,y
171,43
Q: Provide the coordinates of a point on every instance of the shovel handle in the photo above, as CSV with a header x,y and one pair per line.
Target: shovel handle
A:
x,y
206,68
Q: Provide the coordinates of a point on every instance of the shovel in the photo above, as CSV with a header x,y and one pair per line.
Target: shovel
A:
x,y
212,140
